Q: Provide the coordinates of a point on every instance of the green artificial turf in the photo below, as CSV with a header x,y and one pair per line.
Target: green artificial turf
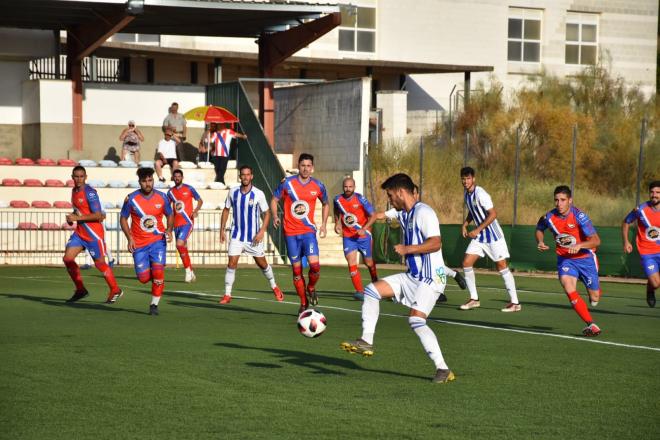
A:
x,y
201,370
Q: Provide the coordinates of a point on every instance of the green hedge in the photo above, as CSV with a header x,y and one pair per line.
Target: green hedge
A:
x,y
522,246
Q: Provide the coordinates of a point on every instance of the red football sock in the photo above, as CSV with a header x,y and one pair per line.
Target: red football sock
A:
x,y
299,283
580,307
74,272
185,258
109,276
356,279
373,272
314,274
158,280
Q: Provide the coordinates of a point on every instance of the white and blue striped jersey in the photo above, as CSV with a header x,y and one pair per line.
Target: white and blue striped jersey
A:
x,y
478,203
246,212
418,225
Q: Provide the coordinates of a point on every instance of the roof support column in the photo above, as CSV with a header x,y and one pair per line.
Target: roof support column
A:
x,y
82,40
466,89
275,48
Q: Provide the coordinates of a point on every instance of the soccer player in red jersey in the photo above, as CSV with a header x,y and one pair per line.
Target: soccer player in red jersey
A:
x,y
299,194
182,196
89,234
147,237
647,216
351,212
576,242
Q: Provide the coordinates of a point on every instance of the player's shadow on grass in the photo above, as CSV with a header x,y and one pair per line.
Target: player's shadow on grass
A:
x,y
315,362
595,310
60,302
330,294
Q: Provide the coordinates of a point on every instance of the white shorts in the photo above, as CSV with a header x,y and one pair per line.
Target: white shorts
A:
x,y
413,293
496,251
237,247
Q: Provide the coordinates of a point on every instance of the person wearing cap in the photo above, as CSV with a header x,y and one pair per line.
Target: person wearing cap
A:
x,y
131,137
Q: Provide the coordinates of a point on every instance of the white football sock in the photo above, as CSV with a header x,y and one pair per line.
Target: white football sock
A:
x,y
268,273
370,312
510,284
429,341
450,272
230,275
155,300
471,282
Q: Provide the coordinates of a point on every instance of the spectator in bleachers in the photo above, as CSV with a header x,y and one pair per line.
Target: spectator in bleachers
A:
x,y
131,137
205,142
175,122
219,143
166,153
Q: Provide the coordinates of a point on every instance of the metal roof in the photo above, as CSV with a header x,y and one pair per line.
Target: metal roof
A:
x,y
166,17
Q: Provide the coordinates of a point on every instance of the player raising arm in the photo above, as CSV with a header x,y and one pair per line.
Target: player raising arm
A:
x,y
576,241
647,216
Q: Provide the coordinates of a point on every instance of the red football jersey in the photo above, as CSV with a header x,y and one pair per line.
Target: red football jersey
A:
x,y
86,201
182,197
146,215
354,213
568,230
299,203
648,228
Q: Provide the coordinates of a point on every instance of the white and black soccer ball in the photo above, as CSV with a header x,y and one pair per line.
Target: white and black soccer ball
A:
x,y
311,323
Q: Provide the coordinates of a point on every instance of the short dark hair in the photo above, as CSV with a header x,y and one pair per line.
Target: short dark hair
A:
x,y
174,103
306,156
78,168
563,189
399,181
244,167
143,173
654,184
177,171
467,171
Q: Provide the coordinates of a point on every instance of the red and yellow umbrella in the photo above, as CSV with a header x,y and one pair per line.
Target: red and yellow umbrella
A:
x,y
211,113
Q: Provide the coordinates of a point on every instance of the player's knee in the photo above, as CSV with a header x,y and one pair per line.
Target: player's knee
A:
x,y
297,271
144,277
315,267
654,282
101,265
416,322
371,292
68,260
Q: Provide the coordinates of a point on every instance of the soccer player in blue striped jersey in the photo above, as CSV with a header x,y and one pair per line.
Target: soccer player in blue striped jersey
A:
x,y
487,239
419,287
247,204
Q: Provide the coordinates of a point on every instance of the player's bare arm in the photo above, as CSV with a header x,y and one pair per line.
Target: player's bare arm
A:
x,y
200,202
123,222
93,217
625,229
325,213
492,215
431,244
467,221
592,242
170,227
223,224
540,245
262,231
273,209
373,218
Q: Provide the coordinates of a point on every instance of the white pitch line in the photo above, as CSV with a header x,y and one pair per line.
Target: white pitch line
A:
x,y
443,321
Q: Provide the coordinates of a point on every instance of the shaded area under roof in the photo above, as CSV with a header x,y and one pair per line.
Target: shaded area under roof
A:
x,y
166,17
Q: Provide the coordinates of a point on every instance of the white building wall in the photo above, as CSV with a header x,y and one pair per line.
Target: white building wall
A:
x,y
11,102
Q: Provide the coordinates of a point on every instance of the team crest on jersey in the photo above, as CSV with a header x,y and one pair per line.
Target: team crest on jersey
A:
x,y
299,209
565,240
313,193
148,223
570,225
350,219
356,206
251,202
81,200
653,233
178,206
158,206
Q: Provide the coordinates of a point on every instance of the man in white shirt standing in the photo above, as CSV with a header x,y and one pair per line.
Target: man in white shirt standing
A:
x,y
166,153
487,239
419,287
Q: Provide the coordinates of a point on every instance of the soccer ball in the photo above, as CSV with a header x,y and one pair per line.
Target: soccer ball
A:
x,y
311,323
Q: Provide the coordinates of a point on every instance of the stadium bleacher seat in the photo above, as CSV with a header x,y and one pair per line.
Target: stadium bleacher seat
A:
x,y
217,185
24,161
108,164
46,162
68,227
127,164
108,205
87,163
117,184
70,183
62,204
27,226
11,182
187,165
6,161
67,163
19,204
97,183
55,183
160,185
146,164
198,185
234,184
42,204
209,205
205,165
32,182
7,225
49,227
133,184
111,226
3,204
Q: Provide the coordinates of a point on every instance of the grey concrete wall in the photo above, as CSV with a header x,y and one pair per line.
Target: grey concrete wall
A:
x,y
10,140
